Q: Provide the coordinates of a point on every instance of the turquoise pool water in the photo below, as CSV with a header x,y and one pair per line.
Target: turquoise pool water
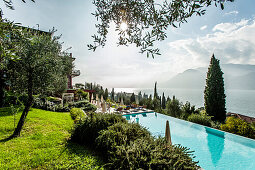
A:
x,y
214,149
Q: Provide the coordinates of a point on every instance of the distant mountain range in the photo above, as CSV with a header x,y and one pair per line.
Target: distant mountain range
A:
x,y
236,76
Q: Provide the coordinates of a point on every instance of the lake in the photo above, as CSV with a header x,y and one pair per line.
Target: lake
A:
x,y
237,101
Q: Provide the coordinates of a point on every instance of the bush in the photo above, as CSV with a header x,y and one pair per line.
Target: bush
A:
x,y
201,119
89,108
121,133
173,108
86,132
172,157
187,110
133,156
82,95
238,126
76,114
52,99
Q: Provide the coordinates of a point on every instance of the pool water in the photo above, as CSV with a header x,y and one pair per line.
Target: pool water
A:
x,y
214,149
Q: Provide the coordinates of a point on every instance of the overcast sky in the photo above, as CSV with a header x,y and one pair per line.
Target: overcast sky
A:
x,y
229,34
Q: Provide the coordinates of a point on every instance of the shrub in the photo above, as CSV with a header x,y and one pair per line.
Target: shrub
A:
x,y
173,108
201,119
187,110
52,99
172,157
89,107
238,126
121,133
86,132
215,124
76,114
82,95
133,156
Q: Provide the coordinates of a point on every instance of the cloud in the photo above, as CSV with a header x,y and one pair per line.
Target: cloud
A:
x,y
203,27
231,13
229,27
230,42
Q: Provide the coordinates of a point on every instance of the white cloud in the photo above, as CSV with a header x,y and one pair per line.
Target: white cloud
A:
x,y
203,27
231,13
229,27
230,42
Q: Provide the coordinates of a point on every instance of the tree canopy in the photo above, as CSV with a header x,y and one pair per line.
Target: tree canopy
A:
x,y
143,22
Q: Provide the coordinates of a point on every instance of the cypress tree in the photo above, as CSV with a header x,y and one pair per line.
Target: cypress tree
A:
x,y
132,98
168,99
106,94
214,94
112,94
155,91
163,101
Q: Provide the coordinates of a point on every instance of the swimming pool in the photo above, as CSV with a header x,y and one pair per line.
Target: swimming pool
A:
x,y
214,149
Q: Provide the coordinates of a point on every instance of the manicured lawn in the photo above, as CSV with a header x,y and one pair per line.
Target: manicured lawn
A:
x,y
43,143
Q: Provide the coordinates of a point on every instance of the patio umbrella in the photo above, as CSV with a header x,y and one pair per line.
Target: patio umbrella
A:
x,y
102,98
104,107
168,135
96,97
97,101
91,101
136,100
121,101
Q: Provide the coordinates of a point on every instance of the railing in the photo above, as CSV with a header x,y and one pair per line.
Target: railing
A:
x,y
76,73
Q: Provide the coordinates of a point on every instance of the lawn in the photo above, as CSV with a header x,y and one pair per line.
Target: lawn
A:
x,y
43,143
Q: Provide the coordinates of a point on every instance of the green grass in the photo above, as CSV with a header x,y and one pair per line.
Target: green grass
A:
x,y
43,143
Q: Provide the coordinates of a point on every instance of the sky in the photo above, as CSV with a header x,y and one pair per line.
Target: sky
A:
x,y
228,33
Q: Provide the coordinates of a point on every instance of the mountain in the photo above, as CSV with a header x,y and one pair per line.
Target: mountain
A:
x,y
236,76
190,78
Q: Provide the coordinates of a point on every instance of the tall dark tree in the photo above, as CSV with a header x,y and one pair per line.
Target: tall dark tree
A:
x,y
163,101
132,98
155,91
140,96
168,99
112,94
214,93
106,94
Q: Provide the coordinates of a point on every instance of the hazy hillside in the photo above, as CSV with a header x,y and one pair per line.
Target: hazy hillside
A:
x,y
236,76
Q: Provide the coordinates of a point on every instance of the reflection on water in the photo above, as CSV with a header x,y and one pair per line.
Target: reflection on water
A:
x,y
137,120
215,141
144,114
128,117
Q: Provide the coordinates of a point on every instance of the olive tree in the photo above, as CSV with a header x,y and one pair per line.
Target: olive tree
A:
x,y
143,22
41,68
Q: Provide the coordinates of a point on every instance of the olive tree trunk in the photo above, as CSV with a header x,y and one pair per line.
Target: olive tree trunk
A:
x,y
28,105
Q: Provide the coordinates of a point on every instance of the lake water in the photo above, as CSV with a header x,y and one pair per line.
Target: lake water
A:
x,y
237,101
